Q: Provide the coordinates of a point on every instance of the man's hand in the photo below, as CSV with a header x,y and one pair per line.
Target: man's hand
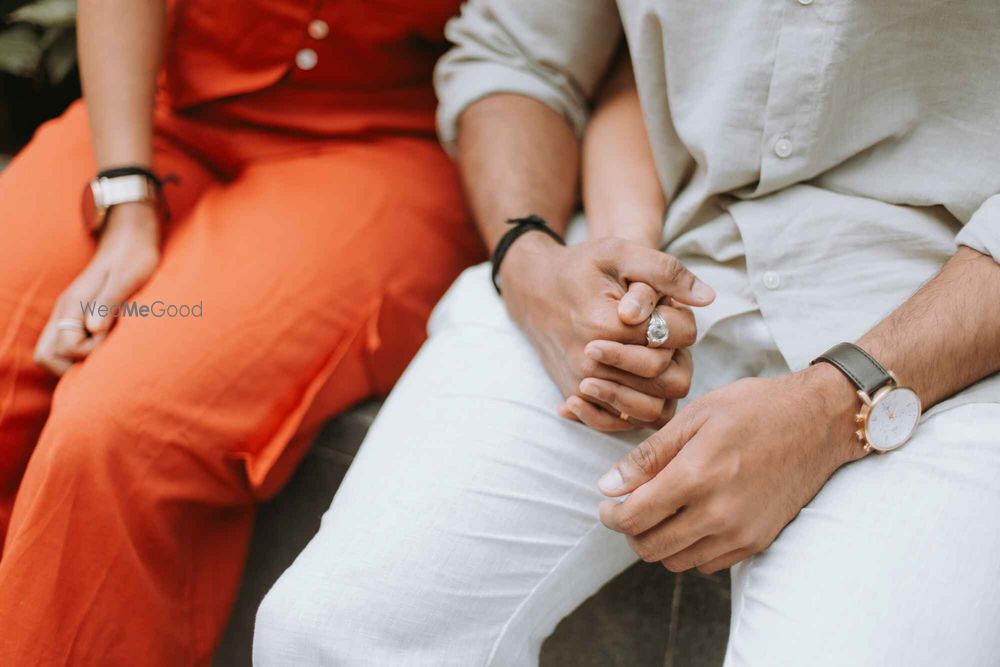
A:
x,y
667,368
564,298
730,471
126,257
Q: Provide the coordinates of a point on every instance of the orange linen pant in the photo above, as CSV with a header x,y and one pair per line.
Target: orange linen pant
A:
x,y
127,489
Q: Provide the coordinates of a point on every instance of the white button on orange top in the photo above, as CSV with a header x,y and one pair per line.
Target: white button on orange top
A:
x,y
783,147
306,59
318,29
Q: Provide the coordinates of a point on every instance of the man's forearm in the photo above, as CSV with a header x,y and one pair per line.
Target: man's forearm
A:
x,y
947,335
517,156
938,342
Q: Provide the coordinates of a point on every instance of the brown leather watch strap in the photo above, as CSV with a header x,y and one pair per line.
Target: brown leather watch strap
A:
x,y
860,367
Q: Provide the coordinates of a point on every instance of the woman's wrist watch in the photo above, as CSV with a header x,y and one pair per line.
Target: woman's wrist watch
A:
x,y
111,187
889,412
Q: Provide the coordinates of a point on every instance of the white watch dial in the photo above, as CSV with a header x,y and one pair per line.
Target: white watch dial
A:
x,y
893,418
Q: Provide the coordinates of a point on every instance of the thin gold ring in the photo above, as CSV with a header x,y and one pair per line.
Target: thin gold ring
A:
x,y
70,324
623,416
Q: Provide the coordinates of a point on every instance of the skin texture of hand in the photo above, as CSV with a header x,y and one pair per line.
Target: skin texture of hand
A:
x,y
720,481
668,369
566,300
127,255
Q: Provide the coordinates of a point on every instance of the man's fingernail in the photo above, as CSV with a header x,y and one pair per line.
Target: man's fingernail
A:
x,y
630,308
701,291
590,389
593,352
611,481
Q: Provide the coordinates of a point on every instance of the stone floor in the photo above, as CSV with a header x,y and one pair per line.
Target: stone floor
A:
x,y
644,617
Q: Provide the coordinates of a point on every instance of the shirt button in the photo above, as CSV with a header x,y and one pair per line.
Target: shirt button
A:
x,y
319,29
783,147
805,2
771,280
306,59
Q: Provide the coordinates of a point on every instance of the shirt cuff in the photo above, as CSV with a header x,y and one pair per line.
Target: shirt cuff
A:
x,y
467,84
982,231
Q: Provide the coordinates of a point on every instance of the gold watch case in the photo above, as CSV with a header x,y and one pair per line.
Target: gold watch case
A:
x,y
870,403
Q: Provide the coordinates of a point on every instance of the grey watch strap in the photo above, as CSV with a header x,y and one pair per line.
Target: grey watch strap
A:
x,y
867,374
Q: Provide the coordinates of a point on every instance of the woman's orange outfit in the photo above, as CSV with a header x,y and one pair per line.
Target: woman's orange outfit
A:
x,y
316,222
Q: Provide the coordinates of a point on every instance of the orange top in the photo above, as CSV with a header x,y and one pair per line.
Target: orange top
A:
x,y
366,65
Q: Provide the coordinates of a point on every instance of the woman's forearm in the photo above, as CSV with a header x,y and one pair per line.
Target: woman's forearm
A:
x,y
622,195
120,46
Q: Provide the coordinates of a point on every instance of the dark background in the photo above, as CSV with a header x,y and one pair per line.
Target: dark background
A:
x,y
38,75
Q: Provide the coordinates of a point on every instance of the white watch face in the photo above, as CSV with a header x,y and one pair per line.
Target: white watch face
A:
x,y
893,419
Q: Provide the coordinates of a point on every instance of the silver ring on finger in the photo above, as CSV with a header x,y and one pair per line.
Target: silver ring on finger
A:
x,y
657,332
70,324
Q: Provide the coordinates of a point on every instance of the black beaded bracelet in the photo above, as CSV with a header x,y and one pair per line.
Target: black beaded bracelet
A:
x,y
530,223
158,181
132,170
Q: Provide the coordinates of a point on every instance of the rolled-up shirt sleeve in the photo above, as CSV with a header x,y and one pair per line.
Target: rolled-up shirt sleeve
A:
x,y
982,231
556,52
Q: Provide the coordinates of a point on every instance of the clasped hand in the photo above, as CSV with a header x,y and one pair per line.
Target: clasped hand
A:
x,y
585,309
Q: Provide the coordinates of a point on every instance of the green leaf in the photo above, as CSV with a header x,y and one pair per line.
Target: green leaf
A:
x,y
46,13
20,50
60,58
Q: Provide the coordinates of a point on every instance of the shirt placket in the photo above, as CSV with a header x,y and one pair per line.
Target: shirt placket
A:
x,y
792,110
791,118
317,30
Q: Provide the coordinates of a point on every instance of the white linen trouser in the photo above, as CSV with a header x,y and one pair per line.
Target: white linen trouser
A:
x,y
467,526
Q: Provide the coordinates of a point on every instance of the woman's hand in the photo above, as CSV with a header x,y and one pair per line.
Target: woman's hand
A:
x,y
668,369
127,255
564,298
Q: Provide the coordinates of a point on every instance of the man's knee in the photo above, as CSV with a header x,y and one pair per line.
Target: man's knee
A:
x,y
301,622
345,601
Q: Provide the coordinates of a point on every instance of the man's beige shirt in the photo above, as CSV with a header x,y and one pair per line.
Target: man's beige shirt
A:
x,y
833,151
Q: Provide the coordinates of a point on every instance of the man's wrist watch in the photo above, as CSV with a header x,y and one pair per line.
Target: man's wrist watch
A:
x,y
117,186
889,412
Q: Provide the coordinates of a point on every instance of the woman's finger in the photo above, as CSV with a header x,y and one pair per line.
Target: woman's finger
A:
x,y
622,399
65,338
68,339
45,355
637,304
111,292
85,347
